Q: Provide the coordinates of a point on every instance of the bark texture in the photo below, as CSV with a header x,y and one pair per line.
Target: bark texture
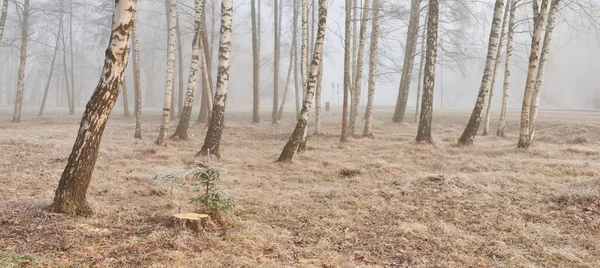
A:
x,y
473,125
23,62
347,70
421,65
507,66
290,148
373,57
167,107
362,40
426,117
255,66
70,196
215,128
276,60
137,80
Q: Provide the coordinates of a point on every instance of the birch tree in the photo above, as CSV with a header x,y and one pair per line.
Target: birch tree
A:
x,y
347,43
255,65
23,61
137,80
172,40
473,124
362,39
318,100
539,82
426,117
179,71
207,96
70,195
299,131
488,109
409,58
304,65
534,56
373,56
181,132
276,53
421,65
215,128
507,68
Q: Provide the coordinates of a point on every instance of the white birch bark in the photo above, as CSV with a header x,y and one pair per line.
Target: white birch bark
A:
x,y
304,64
507,67
23,61
373,57
164,127
362,40
137,80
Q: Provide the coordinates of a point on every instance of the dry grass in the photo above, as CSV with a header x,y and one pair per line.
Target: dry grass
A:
x,y
386,201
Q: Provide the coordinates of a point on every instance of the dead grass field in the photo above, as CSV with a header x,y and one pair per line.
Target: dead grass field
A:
x,y
369,202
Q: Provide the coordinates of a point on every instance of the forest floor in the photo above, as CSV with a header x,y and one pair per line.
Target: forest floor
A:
x,y
409,204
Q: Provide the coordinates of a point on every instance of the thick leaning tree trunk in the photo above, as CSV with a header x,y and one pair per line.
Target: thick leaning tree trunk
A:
x,y
181,132
137,80
426,117
359,70
255,66
421,65
507,66
167,107
276,60
70,196
490,100
539,82
290,148
473,125
539,19
347,70
3,17
23,62
51,72
215,128
409,59
373,57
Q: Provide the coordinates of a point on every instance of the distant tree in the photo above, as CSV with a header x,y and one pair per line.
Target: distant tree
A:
x,y
137,80
52,64
347,43
421,65
3,17
23,61
299,131
180,94
215,128
172,40
256,64
507,66
362,40
426,117
373,56
70,196
126,113
473,125
276,60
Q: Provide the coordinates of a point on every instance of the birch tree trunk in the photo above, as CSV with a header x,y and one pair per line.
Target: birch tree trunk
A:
x,y
52,63
255,66
207,103
318,100
488,111
473,124
215,128
420,82
373,57
409,58
179,72
137,80
539,82
164,127
539,19
276,60
507,66
295,48
3,17
304,66
290,148
70,195
23,59
359,71
181,132
426,117
347,70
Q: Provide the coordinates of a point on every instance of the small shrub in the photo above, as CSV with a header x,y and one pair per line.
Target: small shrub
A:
x,y
215,201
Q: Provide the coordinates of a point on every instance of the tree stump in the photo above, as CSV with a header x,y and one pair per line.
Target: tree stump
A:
x,y
192,221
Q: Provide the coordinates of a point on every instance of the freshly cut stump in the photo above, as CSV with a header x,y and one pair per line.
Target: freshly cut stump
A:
x,y
193,221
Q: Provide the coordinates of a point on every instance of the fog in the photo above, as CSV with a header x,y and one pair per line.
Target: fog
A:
x,y
571,82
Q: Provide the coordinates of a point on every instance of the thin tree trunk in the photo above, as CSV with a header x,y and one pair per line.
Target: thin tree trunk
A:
x,y
299,131
70,196
255,67
179,71
539,19
488,111
72,104
507,66
3,17
276,30
181,132
215,128
318,101
23,59
426,117
125,99
359,71
295,51
373,57
287,81
206,66
473,124
409,58
66,73
539,83
137,80
347,70
304,66
52,63
164,127
421,65
353,52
